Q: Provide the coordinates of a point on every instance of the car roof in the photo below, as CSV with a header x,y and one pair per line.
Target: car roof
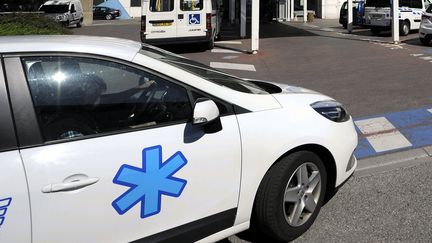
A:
x,y
105,46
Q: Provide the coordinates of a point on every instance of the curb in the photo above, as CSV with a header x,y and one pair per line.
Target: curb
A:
x,y
392,161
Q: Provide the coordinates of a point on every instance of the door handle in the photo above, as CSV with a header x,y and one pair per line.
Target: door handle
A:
x,y
69,185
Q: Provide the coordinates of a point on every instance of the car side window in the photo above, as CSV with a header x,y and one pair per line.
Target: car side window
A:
x,y
76,96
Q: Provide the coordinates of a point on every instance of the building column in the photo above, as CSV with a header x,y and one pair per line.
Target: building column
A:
x,y
243,18
288,10
292,9
350,16
232,11
87,11
395,21
255,26
304,11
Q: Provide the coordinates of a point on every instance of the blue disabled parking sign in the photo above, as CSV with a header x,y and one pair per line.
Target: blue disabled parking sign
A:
x,y
194,19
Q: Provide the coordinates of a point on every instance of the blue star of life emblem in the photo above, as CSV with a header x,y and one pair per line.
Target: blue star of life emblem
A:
x,y
149,183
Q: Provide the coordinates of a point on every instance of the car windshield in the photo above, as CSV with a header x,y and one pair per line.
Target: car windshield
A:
x,y
203,71
377,3
63,8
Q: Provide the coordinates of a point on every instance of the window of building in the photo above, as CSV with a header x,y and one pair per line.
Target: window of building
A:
x,y
135,3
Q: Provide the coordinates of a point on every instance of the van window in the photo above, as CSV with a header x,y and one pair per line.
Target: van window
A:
x,y
72,8
61,8
191,5
411,3
161,5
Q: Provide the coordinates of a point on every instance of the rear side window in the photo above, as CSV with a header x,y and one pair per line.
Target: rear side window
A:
x,y
75,97
161,5
191,5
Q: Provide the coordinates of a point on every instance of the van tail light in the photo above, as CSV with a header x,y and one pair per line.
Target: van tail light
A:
x,y
209,25
143,23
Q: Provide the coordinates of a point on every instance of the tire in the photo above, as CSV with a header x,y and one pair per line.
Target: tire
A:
x,y
425,41
274,214
375,31
79,24
211,42
404,28
108,17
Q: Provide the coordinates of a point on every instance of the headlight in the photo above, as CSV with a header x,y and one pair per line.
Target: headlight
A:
x,y
331,110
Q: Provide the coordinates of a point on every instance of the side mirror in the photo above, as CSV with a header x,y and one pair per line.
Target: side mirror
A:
x,y
205,111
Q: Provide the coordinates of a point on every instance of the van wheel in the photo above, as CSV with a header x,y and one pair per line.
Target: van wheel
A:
x,y
79,24
108,17
404,28
211,43
290,196
375,31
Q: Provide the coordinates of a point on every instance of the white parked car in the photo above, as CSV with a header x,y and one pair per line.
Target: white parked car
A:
x,y
109,140
66,12
425,32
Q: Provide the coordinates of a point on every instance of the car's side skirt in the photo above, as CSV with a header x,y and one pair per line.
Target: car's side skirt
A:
x,y
195,230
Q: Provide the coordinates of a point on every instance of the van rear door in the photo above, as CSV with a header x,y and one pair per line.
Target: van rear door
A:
x,y
161,19
192,18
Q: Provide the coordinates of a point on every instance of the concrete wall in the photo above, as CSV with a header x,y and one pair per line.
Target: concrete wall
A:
x,y
88,11
134,12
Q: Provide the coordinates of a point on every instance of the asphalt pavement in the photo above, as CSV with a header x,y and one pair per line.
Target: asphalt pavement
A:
x,y
389,198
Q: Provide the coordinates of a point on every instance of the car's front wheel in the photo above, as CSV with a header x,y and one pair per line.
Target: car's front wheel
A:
x,y
108,17
290,196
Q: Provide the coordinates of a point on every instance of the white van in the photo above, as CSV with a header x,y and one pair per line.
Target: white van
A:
x,y
378,15
174,21
67,12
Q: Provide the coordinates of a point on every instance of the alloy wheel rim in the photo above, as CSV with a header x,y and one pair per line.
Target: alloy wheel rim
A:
x,y
302,194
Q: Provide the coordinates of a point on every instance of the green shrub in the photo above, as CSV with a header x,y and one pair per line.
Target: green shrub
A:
x,y
30,24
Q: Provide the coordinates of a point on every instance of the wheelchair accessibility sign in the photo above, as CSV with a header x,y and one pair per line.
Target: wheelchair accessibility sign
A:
x,y
194,19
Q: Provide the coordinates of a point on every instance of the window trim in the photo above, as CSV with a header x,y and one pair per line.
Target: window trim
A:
x,y
36,133
8,139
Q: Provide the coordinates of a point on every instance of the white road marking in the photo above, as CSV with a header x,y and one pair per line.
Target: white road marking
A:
x,y
389,139
328,29
417,55
217,50
430,110
229,57
234,66
426,58
229,42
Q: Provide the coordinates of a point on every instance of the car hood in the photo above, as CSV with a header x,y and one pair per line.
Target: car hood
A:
x,y
288,95
278,88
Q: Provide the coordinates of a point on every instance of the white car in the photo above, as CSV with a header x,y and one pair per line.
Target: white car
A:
x,y
109,140
425,32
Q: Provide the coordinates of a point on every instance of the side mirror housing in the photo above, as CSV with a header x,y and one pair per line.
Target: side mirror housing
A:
x,y
205,111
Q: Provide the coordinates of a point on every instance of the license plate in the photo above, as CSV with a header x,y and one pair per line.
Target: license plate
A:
x,y
162,24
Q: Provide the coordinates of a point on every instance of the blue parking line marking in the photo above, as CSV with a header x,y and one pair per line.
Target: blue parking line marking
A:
x,y
415,125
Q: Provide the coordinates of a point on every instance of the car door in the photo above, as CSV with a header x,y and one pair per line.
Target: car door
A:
x,y
192,18
161,19
14,201
111,155
97,12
